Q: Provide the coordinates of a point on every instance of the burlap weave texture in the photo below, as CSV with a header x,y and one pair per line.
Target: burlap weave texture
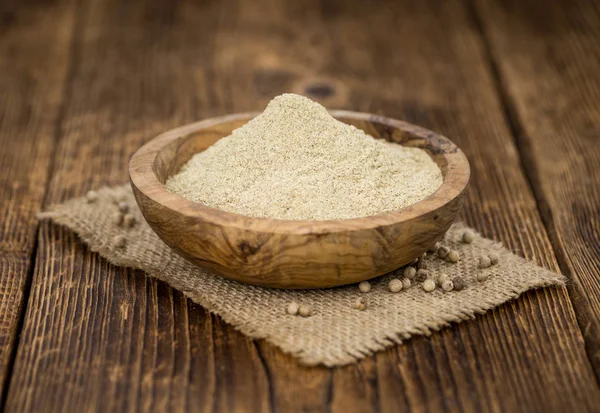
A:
x,y
336,334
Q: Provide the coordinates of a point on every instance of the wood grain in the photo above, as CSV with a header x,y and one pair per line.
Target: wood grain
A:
x,y
302,253
31,38
549,62
100,338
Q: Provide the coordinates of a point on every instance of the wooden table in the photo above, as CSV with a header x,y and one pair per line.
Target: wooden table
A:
x,y
83,83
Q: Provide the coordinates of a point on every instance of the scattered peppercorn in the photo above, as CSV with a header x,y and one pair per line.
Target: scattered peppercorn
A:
x,y
494,258
441,278
409,272
422,275
448,285
119,241
429,285
292,308
459,283
453,256
305,310
129,220
117,219
422,265
91,196
468,237
395,285
364,287
360,304
484,262
123,207
433,249
406,283
481,276
442,252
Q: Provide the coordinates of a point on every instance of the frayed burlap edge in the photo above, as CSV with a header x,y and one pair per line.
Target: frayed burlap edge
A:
x,y
336,334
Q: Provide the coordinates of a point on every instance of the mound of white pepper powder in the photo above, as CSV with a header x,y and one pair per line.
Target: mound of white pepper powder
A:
x,y
295,161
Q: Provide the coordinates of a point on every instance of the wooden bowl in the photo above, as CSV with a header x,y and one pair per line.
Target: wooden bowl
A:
x,y
295,254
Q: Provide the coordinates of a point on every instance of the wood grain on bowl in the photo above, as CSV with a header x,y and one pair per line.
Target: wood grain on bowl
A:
x,y
295,254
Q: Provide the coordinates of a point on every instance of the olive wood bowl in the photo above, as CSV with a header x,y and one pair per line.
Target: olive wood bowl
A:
x,y
295,254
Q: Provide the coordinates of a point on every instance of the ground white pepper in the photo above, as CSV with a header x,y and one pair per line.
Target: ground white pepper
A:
x,y
429,285
484,262
409,272
119,241
295,161
395,285
468,237
305,310
447,285
91,196
360,304
292,308
364,287
453,256
406,283
443,251
494,258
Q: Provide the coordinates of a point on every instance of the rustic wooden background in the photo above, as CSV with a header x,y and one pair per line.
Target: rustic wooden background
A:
x,y
83,83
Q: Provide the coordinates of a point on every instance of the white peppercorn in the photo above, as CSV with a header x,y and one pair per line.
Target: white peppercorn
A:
x,y
119,241
129,220
422,275
453,256
468,237
395,285
305,310
484,262
447,285
292,308
364,287
443,251
409,272
91,196
117,219
360,304
429,285
459,283
481,276
422,265
494,258
441,278
406,283
433,249
123,207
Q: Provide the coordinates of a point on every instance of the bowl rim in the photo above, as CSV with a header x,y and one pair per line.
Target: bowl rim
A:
x,y
143,178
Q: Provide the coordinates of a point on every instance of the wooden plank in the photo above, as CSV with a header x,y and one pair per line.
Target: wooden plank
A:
x,y
31,39
101,338
548,57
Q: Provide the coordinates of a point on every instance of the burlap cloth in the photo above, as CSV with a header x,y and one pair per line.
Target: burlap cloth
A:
x,y
336,334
